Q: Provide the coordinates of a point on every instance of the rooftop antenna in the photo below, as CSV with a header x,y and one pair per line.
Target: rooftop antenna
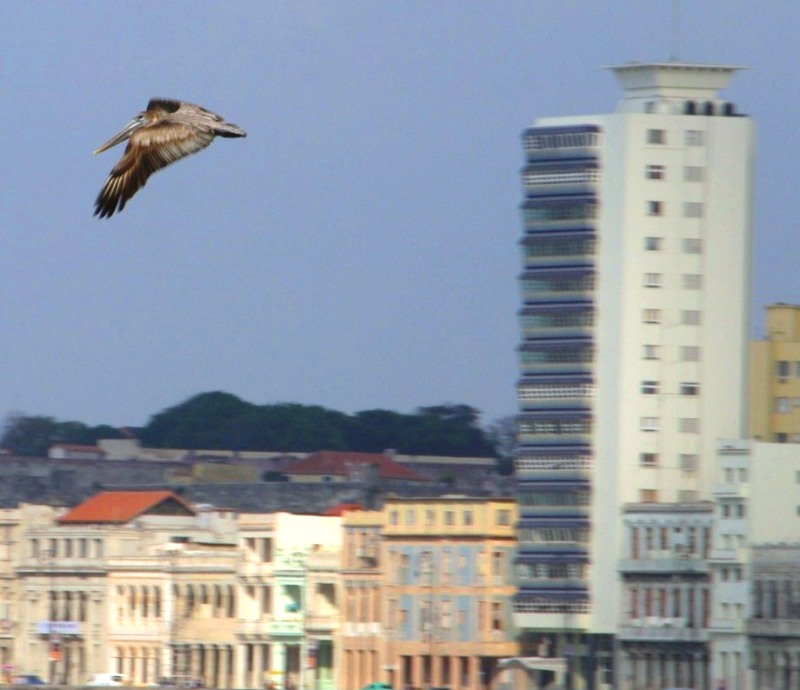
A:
x,y
674,30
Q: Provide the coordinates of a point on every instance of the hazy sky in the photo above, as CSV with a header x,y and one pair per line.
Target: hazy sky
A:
x,y
359,248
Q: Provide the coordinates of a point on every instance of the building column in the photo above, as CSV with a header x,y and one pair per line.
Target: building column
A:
x,y
223,680
278,663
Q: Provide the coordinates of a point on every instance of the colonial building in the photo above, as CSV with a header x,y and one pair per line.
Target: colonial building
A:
x,y
663,635
448,586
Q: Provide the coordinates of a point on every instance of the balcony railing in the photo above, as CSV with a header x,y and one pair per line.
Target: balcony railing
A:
x,y
662,630
782,627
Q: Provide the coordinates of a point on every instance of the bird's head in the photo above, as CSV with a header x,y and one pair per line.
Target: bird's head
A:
x,y
139,121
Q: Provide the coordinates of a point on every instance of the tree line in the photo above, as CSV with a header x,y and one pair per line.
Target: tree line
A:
x,y
222,421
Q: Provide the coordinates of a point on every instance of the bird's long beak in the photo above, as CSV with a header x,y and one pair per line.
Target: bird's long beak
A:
x,y
120,136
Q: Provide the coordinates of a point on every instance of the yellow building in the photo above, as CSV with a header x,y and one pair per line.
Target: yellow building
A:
x,y
428,599
774,401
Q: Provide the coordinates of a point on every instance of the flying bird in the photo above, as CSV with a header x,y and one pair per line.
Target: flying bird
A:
x,y
164,133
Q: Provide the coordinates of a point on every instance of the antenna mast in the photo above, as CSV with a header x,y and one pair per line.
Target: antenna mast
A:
x,y
675,30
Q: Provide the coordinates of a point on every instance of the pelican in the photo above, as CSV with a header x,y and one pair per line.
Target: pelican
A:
x,y
164,133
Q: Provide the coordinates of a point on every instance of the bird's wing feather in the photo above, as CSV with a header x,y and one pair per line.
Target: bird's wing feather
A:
x,y
149,150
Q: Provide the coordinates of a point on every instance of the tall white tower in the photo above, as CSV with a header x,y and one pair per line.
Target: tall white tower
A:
x,y
636,253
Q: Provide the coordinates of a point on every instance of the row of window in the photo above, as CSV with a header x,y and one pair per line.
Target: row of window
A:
x,y
689,281
551,426
560,246
784,369
688,462
553,391
676,603
532,464
730,509
784,405
564,282
464,517
691,540
552,571
691,137
546,213
689,245
691,173
564,318
685,388
551,605
686,425
533,178
529,497
686,353
690,209
536,142
571,354
689,317
66,548
553,535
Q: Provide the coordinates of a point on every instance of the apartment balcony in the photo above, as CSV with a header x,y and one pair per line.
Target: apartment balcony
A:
x,y
782,627
727,625
730,490
728,556
286,626
660,630
253,629
324,560
322,622
255,571
666,562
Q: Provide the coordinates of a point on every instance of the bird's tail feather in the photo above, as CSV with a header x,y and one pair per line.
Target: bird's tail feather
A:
x,y
227,129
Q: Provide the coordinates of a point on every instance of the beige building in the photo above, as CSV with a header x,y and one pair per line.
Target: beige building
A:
x,y
428,593
774,401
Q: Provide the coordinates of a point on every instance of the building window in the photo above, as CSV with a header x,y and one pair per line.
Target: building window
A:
x,y
656,136
648,424
692,281
690,317
411,516
653,244
650,351
503,517
430,517
692,209
692,245
654,172
690,353
648,495
694,137
449,518
655,208
649,387
782,369
651,316
690,388
648,459
689,425
693,173
467,518
782,405
689,462
653,280
393,517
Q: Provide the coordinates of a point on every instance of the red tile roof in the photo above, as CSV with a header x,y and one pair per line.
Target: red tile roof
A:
x,y
336,462
120,507
341,508
79,448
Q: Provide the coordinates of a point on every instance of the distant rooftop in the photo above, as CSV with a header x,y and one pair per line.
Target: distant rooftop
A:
x,y
676,79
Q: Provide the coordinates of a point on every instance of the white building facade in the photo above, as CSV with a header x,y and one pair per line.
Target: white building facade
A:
x,y
636,246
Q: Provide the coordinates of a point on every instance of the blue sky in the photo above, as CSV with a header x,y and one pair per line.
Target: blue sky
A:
x,y
358,249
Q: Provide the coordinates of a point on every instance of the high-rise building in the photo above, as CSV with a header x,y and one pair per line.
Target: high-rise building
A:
x,y
775,377
636,251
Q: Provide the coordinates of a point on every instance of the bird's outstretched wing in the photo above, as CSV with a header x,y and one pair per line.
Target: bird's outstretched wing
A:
x,y
149,149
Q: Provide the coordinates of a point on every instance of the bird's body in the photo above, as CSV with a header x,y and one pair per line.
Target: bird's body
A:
x,y
164,133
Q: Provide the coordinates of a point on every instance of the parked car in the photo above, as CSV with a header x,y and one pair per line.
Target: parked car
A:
x,y
377,686
106,680
27,679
